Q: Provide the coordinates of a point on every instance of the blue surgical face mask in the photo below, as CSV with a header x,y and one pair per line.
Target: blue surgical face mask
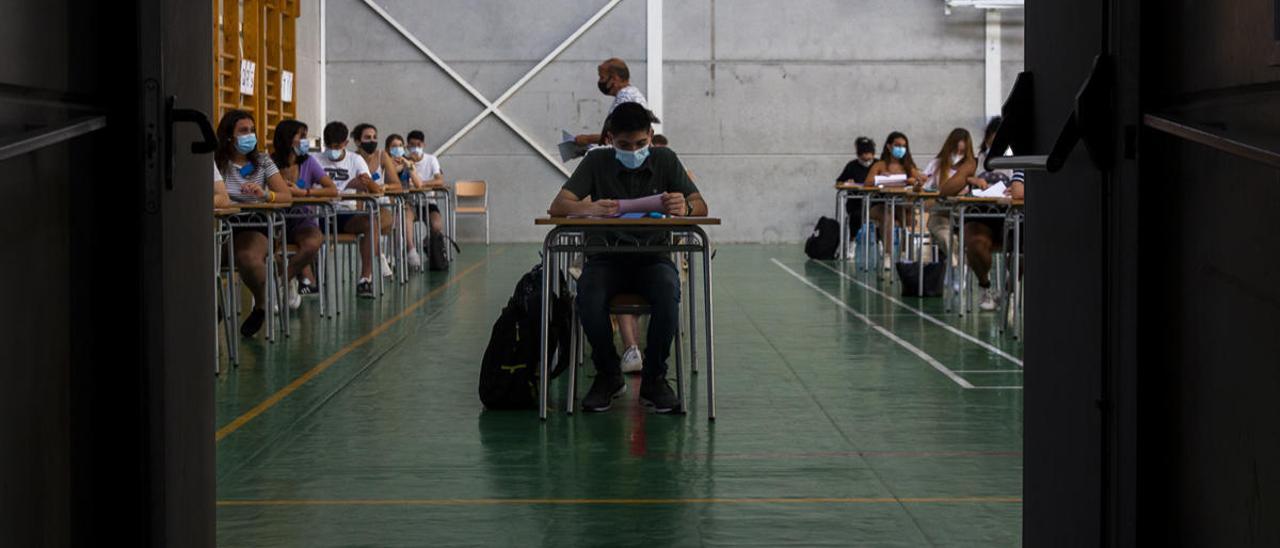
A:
x,y
631,159
416,151
397,152
899,152
302,149
334,154
246,143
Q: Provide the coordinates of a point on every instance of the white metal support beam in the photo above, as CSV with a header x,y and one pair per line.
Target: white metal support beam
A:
x,y
994,65
492,107
653,61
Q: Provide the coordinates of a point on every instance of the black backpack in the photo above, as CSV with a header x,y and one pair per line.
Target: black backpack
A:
x,y
935,275
825,240
437,260
509,370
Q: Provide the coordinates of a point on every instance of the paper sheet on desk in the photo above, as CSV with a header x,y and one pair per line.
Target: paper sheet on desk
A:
x,y
641,205
993,191
891,180
569,149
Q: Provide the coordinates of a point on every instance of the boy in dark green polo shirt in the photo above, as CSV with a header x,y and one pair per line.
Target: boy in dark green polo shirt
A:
x,y
630,169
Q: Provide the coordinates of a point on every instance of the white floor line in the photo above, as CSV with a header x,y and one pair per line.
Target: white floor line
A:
x,y
928,317
889,334
1009,371
997,388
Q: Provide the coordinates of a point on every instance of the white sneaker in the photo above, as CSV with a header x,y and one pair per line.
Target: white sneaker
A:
x,y
386,268
988,301
295,298
415,260
632,361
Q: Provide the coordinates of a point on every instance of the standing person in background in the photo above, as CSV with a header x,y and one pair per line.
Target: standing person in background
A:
x,y
614,81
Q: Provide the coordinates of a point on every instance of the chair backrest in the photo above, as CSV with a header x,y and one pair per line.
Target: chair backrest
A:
x,y
469,189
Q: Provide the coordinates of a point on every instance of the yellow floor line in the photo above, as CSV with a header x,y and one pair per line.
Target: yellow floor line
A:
x,y
322,366
619,502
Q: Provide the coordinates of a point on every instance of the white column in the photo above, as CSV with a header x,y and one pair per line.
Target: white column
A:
x,y
324,69
653,63
994,86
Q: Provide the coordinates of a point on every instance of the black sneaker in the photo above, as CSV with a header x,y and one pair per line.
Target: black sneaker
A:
x,y
364,289
657,395
603,390
253,323
308,290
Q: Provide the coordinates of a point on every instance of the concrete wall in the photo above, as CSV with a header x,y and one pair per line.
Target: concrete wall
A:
x,y
763,98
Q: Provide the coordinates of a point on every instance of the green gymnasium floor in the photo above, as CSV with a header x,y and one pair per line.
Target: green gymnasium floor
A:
x,y
366,430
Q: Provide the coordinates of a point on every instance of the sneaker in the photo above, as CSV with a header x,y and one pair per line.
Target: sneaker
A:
x,y
364,289
307,289
415,260
656,394
295,298
253,323
988,301
632,360
603,390
386,267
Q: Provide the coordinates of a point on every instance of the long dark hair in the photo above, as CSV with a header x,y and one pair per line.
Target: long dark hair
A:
x,y
992,127
227,140
886,155
282,142
949,147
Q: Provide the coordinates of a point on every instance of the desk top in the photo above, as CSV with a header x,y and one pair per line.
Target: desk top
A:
x,y
224,211
359,196
1002,200
314,200
617,221
260,206
430,188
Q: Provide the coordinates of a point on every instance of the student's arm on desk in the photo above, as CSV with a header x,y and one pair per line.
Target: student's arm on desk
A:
x,y
327,188
957,182
677,205
567,203
282,194
220,197
1016,190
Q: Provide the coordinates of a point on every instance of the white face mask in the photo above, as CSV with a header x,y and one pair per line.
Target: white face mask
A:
x,y
956,158
866,163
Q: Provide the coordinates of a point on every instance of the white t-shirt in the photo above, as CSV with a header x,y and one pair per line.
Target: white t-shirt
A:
x,y
343,172
427,167
629,94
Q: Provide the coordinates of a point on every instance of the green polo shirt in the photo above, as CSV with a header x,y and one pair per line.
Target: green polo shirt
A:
x,y
603,177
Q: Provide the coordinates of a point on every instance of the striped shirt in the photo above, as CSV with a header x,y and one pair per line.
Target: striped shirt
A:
x,y
236,176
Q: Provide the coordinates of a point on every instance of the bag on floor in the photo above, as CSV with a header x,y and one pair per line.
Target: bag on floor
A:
x,y
934,278
509,369
437,259
825,240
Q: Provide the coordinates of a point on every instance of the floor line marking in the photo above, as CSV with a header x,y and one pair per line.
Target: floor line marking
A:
x,y
229,503
880,329
992,348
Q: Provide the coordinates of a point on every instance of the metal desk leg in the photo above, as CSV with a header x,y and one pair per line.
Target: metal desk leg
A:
x,y
693,316
842,217
284,274
962,297
543,370
707,304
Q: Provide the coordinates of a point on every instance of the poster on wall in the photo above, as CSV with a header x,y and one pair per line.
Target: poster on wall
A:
x,y
247,74
286,86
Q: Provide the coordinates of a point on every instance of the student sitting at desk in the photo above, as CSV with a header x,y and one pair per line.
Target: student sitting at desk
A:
x,y
291,153
351,175
398,166
895,159
247,175
428,168
956,161
630,169
982,237
366,138
855,172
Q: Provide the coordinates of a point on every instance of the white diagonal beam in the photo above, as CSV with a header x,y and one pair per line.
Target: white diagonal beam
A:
x,y
493,107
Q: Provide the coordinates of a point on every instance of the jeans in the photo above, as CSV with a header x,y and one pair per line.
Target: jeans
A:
x,y
651,276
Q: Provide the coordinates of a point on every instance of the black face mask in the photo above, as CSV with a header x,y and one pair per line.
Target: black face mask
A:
x,y
604,86
369,146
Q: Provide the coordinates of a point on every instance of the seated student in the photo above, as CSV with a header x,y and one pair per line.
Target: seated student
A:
x,y
982,237
290,152
630,169
366,138
947,174
351,175
428,168
856,172
248,175
895,159
400,169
